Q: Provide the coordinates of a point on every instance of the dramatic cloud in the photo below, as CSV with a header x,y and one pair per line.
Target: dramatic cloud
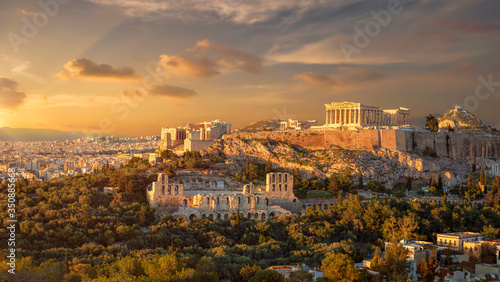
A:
x,y
231,58
172,92
209,59
10,97
199,67
163,90
468,26
347,76
86,69
237,11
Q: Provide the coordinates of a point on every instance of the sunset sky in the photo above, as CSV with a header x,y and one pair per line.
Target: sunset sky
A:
x,y
130,67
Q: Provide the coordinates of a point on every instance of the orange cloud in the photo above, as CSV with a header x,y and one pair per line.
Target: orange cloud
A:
x,y
25,13
209,60
349,75
231,58
10,98
86,69
199,67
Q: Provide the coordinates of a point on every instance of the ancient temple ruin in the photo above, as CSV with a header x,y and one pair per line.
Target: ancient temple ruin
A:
x,y
275,198
358,115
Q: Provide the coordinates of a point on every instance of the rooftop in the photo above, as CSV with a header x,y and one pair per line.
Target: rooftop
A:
x,y
460,235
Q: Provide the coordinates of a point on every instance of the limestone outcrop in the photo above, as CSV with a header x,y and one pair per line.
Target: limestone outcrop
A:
x,y
388,166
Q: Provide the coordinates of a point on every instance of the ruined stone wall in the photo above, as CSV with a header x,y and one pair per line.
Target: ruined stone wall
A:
x,y
454,145
196,145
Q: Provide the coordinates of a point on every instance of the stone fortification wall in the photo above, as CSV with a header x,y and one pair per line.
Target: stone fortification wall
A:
x,y
453,145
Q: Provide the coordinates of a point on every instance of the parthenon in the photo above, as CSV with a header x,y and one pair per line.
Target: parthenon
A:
x,y
358,115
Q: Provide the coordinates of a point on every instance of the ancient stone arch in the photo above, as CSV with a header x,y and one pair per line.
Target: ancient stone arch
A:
x,y
226,216
218,216
192,217
271,214
256,216
211,216
203,216
263,216
326,207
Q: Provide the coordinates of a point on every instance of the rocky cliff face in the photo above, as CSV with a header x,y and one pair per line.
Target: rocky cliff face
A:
x,y
461,119
384,165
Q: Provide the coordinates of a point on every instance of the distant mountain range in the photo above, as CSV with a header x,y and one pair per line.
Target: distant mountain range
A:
x,y
33,135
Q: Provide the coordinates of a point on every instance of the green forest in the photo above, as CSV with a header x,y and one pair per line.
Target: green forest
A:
x,y
69,230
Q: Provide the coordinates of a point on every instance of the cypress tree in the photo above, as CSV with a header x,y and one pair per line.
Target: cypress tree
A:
x,y
482,177
439,182
474,162
408,183
443,199
238,217
433,182
66,262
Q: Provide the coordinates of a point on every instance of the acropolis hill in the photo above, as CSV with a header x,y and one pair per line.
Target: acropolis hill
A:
x,y
354,126
455,145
